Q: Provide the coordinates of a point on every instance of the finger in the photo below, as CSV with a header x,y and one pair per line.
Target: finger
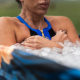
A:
x,y
62,31
65,31
64,38
30,45
27,44
32,41
35,40
32,37
28,41
63,34
33,45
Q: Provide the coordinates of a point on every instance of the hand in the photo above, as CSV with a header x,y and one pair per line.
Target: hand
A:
x,y
37,42
5,54
60,36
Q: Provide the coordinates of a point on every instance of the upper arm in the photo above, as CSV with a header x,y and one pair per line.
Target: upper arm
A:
x,y
71,31
6,33
64,23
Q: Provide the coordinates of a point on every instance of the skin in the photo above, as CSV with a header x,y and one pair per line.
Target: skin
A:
x,y
13,31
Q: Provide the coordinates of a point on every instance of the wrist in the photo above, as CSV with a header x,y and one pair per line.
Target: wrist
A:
x,y
56,44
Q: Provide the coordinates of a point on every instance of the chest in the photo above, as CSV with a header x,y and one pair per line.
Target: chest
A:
x,y
23,32
46,33
28,31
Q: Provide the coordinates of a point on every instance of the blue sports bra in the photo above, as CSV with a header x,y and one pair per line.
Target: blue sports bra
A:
x,y
48,31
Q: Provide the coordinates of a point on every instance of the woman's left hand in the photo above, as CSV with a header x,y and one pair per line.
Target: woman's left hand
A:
x,y
37,42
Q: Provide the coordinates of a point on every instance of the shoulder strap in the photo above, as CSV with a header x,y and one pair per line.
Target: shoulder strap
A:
x,y
24,22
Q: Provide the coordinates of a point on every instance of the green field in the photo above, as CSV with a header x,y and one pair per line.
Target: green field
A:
x,y
69,9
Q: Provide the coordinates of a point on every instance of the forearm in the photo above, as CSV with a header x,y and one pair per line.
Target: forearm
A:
x,y
54,44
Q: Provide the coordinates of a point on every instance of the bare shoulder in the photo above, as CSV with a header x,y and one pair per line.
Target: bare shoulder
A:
x,y
9,23
58,18
60,22
7,20
7,36
4,22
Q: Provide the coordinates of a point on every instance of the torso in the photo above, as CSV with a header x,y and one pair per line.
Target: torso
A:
x,y
22,32
46,32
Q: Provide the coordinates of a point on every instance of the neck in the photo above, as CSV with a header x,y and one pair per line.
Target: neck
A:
x,y
36,20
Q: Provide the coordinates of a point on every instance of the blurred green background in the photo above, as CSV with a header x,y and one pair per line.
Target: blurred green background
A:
x,y
69,8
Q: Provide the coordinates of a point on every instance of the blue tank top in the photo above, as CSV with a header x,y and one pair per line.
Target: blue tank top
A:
x,y
48,31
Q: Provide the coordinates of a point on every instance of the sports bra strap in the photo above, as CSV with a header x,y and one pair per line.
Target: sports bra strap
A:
x,y
45,30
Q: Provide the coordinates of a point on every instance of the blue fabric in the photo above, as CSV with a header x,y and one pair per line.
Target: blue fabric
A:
x,y
45,30
26,66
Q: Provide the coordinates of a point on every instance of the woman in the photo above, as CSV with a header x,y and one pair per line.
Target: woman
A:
x,y
32,21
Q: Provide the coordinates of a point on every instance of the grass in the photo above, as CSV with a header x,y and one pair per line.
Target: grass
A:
x,y
9,10
71,10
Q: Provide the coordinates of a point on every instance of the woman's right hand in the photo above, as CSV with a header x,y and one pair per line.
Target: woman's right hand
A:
x,y
60,36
